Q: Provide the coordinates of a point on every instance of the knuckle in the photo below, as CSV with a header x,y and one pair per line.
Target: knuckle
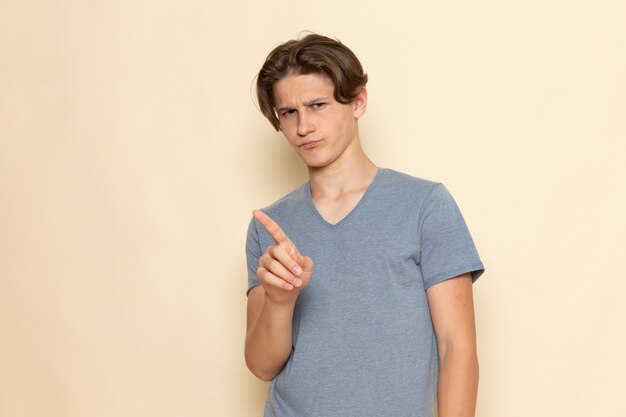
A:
x,y
274,265
274,250
266,277
266,260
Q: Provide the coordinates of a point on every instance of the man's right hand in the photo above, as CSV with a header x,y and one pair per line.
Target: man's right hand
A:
x,y
282,270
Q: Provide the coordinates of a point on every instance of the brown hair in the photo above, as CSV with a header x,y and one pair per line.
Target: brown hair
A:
x,y
311,54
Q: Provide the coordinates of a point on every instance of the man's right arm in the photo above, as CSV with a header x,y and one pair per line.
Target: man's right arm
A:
x,y
268,336
283,272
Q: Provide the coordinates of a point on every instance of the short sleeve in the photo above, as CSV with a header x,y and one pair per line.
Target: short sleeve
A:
x,y
253,253
446,245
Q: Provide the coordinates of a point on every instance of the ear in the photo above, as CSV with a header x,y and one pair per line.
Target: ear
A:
x,y
359,105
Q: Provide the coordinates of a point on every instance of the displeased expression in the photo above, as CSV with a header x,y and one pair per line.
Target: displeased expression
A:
x,y
319,128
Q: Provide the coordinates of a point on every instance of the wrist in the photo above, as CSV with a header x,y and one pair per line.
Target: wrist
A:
x,y
283,302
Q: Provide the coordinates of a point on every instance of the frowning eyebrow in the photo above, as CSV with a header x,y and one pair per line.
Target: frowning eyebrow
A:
x,y
306,103
315,100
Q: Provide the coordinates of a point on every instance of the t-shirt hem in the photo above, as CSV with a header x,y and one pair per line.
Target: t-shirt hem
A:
x,y
250,289
476,269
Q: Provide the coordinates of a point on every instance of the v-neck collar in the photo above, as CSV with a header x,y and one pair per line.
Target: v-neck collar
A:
x,y
311,204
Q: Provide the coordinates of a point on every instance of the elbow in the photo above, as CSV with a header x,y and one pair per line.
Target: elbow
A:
x,y
265,377
257,370
261,374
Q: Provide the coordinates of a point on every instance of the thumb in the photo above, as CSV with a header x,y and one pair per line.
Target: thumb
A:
x,y
307,270
307,265
295,255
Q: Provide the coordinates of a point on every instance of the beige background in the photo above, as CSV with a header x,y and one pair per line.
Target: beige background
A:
x,y
131,156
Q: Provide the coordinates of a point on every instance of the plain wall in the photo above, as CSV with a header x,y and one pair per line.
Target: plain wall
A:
x,y
132,155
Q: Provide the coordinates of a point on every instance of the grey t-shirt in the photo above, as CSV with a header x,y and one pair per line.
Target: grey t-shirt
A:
x,y
363,339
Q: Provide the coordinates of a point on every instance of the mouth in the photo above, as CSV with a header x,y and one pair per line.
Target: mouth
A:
x,y
310,144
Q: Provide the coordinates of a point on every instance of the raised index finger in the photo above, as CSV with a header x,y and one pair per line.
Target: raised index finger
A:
x,y
278,235
272,228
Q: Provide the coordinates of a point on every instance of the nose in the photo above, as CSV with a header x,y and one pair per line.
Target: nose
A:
x,y
305,124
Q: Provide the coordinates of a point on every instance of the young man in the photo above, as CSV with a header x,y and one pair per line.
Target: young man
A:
x,y
383,323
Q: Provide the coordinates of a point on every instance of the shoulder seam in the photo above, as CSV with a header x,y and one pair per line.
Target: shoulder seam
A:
x,y
420,220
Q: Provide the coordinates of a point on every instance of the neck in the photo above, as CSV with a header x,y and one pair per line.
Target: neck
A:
x,y
352,171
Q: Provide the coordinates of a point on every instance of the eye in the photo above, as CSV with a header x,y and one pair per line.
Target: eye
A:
x,y
287,113
318,106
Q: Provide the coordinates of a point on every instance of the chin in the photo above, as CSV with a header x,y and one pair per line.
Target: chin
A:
x,y
314,165
314,162
311,161
317,163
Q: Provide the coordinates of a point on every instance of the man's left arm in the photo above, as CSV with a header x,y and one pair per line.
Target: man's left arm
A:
x,y
452,311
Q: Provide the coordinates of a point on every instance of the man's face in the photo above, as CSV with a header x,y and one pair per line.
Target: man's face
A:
x,y
320,129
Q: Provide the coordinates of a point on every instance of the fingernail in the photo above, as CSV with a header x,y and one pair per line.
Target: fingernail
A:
x,y
297,270
297,282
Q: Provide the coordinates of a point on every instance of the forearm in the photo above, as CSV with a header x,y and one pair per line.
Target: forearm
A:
x,y
269,342
458,382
